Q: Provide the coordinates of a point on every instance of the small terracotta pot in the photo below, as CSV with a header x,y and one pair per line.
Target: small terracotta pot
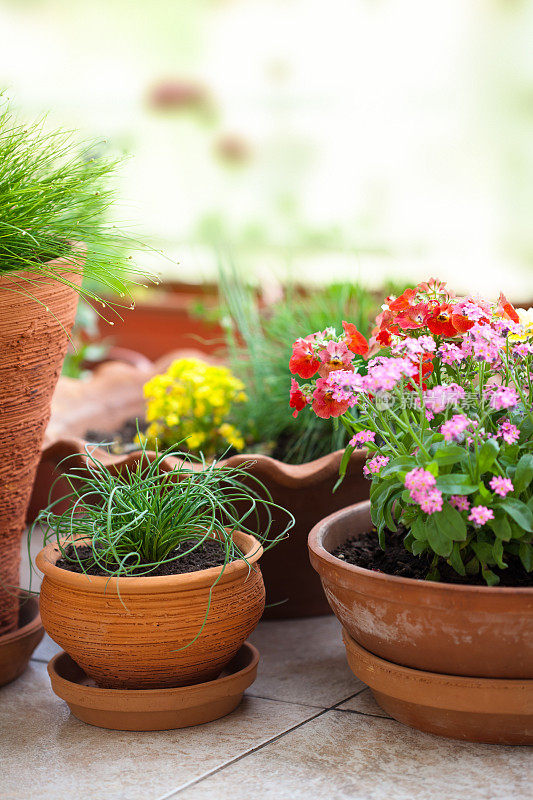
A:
x,y
143,637
36,315
472,709
479,631
16,647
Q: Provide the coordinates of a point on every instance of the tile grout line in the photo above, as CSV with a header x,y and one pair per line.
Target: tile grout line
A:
x,y
240,757
361,713
289,702
264,744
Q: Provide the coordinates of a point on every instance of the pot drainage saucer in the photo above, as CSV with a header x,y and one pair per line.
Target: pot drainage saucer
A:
x,y
153,709
498,711
17,646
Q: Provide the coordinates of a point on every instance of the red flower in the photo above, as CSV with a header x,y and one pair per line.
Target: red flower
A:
x,y
355,341
413,316
461,323
324,405
335,356
439,320
304,362
506,309
296,398
402,302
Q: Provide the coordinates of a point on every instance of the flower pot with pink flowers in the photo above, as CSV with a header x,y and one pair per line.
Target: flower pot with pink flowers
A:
x,y
432,579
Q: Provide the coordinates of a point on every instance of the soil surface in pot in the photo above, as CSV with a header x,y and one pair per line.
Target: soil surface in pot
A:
x,y
208,554
364,551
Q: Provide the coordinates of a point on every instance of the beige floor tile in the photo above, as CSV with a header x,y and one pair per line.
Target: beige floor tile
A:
x,y
47,754
364,703
303,661
342,756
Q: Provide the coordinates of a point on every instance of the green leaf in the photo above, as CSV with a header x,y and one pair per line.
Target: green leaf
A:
x,y
456,560
399,464
457,483
418,529
418,547
487,455
497,553
345,460
525,551
501,526
490,578
520,512
438,541
451,523
450,455
524,473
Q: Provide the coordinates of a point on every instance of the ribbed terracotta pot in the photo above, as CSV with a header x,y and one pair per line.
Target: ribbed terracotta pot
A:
x,y
479,631
114,394
36,316
143,638
17,646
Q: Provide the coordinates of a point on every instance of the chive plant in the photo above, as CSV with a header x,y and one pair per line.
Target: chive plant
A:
x,y
56,191
145,516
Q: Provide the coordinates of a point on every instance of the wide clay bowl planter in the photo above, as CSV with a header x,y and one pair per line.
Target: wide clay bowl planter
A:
x,y
114,394
153,709
138,632
497,711
479,631
16,647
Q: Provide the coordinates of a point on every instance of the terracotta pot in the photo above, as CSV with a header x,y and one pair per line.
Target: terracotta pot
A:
x,y
16,647
143,637
36,315
472,709
153,709
479,631
170,320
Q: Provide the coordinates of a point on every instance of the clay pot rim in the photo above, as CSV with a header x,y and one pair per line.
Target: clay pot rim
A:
x,y
438,690
30,627
319,552
99,584
186,695
289,475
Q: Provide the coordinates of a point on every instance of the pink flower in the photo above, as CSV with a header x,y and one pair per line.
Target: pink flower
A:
x,y
440,397
324,403
454,428
509,432
419,480
362,437
451,354
501,486
335,356
504,397
460,502
480,515
431,502
345,386
385,373
373,466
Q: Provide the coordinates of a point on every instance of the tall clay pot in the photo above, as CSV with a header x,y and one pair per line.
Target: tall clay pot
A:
x,y
36,315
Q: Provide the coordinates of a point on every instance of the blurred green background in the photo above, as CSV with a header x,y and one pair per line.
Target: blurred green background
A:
x,y
359,139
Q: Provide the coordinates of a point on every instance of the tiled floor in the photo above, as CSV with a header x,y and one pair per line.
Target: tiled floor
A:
x,y
306,728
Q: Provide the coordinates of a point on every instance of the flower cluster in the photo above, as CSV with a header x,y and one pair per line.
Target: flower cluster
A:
x,y
194,401
460,481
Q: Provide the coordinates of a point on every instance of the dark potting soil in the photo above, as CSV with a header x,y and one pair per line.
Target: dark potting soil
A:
x,y
121,440
208,554
364,551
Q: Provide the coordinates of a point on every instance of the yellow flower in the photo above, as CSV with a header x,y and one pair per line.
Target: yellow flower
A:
x,y
194,401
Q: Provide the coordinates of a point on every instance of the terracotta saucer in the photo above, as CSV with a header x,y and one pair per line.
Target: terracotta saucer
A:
x,y
498,711
153,709
17,646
